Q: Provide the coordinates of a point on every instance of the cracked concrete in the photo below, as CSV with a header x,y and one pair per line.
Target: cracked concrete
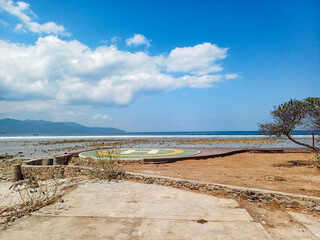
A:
x,y
127,210
311,223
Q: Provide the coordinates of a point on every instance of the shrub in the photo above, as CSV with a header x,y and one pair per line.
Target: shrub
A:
x,y
33,194
106,165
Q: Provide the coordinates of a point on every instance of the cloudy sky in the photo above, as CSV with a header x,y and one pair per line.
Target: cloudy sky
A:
x,y
157,65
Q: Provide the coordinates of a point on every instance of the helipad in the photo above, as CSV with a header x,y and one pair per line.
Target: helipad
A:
x,y
139,153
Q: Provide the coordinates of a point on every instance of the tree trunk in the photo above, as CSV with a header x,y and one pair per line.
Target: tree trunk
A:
x,y
302,144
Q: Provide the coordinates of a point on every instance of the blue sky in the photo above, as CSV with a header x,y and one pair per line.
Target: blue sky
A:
x,y
157,65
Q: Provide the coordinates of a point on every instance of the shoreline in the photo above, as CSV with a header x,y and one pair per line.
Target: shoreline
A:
x,y
42,148
111,137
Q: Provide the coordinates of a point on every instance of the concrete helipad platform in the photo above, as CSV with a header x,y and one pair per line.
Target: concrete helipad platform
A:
x,y
127,210
139,153
162,155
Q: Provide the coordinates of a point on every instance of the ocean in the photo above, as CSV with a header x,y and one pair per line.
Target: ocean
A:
x,y
186,134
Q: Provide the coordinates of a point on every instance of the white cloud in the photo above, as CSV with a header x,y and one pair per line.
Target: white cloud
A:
x,y
22,11
3,22
99,116
138,39
18,27
200,59
69,71
51,110
115,39
28,106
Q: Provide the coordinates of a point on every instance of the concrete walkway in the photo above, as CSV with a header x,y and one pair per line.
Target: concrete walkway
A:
x,y
127,210
311,223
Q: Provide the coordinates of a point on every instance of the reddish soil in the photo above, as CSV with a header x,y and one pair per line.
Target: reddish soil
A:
x,y
285,172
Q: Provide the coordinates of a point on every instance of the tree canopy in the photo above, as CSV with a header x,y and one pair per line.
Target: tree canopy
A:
x,y
294,115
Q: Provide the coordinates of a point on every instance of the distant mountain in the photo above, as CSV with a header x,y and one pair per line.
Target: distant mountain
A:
x,y
12,126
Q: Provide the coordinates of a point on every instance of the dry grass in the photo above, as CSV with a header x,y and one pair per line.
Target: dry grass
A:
x,y
33,195
107,166
285,172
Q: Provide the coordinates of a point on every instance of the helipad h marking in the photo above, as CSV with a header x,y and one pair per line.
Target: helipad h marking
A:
x,y
148,151
139,153
152,151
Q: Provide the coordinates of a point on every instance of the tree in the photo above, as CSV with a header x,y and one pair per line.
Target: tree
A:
x,y
313,113
303,114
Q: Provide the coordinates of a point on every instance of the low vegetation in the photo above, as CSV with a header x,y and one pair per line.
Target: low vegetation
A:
x,y
33,195
106,166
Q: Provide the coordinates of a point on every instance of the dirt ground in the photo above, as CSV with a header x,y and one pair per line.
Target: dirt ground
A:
x,y
285,172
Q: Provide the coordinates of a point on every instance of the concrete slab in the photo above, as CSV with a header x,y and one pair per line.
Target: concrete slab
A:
x,y
127,210
311,223
83,228
132,200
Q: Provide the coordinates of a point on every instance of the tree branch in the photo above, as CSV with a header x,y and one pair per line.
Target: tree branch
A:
x,y
302,144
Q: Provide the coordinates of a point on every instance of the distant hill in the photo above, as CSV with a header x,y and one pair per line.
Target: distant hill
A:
x,y
12,126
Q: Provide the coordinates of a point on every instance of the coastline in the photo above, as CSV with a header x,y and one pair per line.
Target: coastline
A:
x,y
31,147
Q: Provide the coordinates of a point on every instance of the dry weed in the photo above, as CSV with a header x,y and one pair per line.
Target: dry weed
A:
x,y
33,194
106,166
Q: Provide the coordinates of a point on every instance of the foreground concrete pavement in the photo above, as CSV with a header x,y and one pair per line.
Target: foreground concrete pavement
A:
x,y
127,210
311,223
